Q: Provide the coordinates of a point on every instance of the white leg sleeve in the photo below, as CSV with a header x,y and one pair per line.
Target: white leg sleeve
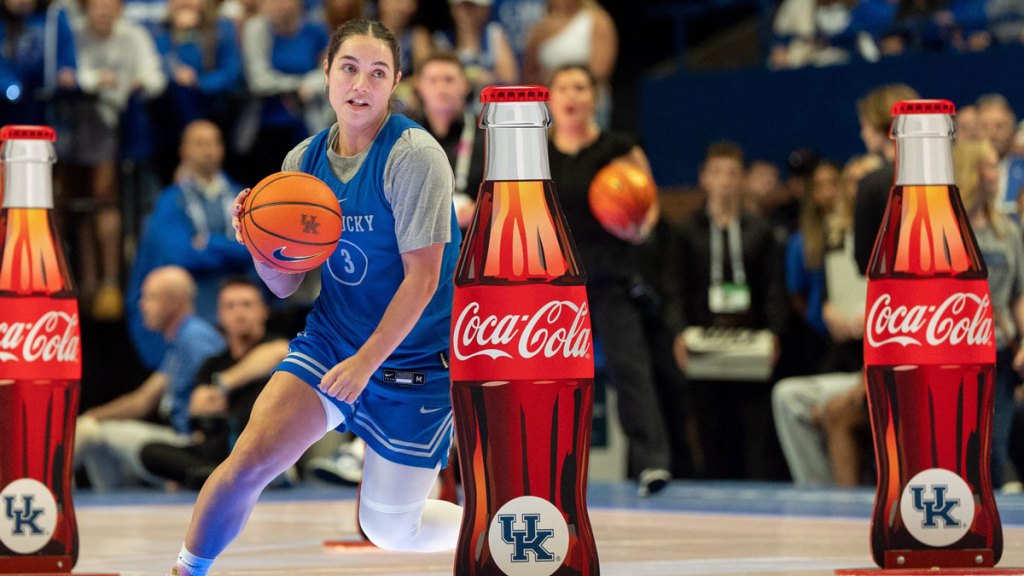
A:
x,y
395,513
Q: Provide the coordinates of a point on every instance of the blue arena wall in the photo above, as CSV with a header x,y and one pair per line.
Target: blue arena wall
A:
x,y
772,113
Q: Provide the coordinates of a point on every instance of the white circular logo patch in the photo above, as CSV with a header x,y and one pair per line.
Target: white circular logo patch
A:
x,y
937,507
28,515
528,537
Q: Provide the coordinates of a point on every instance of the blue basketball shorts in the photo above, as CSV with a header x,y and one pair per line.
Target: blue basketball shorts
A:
x,y
415,432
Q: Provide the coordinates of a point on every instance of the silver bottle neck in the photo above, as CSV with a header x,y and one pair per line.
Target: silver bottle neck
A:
x,y
28,173
923,149
517,140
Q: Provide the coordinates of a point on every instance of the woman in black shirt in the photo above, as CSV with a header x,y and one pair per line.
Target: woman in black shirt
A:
x,y
615,263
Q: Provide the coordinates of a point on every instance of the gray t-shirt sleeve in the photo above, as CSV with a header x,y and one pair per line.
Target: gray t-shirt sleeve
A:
x,y
293,160
418,182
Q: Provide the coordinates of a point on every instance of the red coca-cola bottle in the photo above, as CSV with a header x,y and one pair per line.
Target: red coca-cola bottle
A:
x,y
522,363
929,356
40,364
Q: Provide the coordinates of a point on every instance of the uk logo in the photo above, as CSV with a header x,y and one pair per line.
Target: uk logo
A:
x,y
310,225
25,519
28,516
528,541
937,507
528,537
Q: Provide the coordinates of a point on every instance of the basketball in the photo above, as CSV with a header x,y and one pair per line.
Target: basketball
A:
x,y
620,196
291,221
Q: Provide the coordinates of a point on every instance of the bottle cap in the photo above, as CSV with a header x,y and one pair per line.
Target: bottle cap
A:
x,y
515,94
923,107
16,132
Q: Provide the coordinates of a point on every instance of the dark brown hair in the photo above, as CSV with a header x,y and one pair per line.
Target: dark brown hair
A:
x,y
571,67
442,56
363,27
724,149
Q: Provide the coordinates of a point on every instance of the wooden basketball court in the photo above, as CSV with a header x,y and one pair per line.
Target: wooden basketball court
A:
x,y
690,528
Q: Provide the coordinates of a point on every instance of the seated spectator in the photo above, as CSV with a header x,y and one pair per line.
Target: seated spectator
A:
x,y
190,226
239,11
577,32
805,268
802,30
480,44
442,87
826,32
202,61
109,438
809,422
334,13
117,64
284,55
801,163
937,25
145,12
968,124
765,197
976,167
415,43
999,125
967,23
1018,140
1006,20
518,17
229,384
32,69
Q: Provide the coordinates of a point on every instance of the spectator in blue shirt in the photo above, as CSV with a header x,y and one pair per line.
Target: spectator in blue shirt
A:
x,y
190,226
110,437
284,55
31,69
203,63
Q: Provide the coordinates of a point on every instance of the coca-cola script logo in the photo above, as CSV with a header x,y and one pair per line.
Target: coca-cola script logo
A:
x,y
53,337
558,328
963,317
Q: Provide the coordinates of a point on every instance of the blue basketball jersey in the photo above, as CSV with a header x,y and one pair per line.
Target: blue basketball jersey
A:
x,y
364,272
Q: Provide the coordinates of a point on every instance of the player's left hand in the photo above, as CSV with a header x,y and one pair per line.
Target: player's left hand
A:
x,y
347,380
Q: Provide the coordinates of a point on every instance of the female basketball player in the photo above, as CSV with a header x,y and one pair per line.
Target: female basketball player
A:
x,y
372,356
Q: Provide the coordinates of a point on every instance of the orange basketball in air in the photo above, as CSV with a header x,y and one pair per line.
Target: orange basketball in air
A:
x,y
620,196
291,221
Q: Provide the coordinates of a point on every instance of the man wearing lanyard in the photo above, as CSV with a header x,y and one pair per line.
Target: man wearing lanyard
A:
x,y
442,86
726,272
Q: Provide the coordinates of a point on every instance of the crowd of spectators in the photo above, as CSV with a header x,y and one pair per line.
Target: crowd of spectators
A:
x,y
826,32
166,109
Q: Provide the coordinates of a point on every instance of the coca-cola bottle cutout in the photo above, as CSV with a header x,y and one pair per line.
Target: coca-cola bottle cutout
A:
x,y
522,363
40,364
929,355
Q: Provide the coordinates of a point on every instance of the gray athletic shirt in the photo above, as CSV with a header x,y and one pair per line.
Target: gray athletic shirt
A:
x,y
418,183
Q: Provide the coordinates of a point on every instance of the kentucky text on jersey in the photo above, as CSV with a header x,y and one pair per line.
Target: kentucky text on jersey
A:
x,y
357,223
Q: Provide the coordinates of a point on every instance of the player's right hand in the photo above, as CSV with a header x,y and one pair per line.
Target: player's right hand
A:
x,y
236,211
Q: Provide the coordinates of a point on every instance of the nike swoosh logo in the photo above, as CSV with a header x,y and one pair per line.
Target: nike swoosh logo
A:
x,y
280,255
425,410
